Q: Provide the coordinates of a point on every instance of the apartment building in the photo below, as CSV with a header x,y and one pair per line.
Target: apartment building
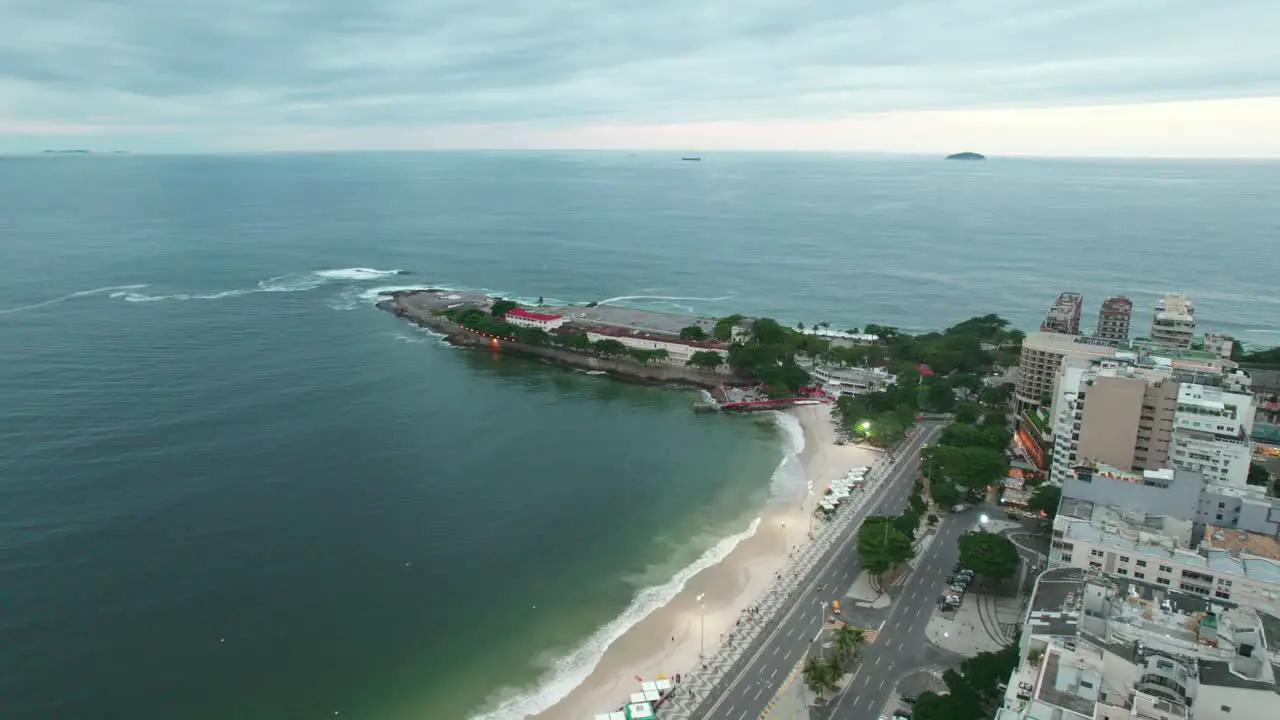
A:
x,y
1174,321
1146,415
1219,344
1114,412
1107,648
1064,315
1042,357
1113,320
849,381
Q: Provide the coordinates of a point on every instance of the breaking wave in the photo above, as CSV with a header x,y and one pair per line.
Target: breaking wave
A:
x,y
572,670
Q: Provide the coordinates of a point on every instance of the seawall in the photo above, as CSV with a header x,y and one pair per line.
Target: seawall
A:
x,y
457,335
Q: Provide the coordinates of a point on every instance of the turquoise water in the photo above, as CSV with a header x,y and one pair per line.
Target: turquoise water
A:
x,y
229,487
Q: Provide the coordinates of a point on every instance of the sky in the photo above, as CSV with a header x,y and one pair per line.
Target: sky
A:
x,y
1175,78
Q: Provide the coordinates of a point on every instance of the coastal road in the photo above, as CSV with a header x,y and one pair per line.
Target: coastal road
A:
x,y
753,681
901,645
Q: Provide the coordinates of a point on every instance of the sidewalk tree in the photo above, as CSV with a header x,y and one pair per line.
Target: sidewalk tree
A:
x,y
532,335
723,330
967,413
818,676
995,396
971,467
945,494
848,639
574,340
1045,499
988,554
882,545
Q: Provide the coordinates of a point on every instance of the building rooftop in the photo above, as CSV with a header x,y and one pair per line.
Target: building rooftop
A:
x,y
617,332
1236,542
1055,606
529,315
1157,544
1058,342
662,323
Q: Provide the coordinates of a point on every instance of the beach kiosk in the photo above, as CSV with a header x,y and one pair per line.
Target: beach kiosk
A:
x,y
640,711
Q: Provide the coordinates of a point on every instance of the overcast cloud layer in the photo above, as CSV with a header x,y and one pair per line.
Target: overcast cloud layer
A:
x,y
263,74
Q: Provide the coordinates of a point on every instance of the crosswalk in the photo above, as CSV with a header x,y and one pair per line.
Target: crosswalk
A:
x,y
869,635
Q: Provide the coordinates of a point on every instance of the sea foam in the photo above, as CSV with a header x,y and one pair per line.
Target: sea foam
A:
x,y
572,670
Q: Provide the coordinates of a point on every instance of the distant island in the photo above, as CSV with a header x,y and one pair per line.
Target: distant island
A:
x,y
67,152
966,156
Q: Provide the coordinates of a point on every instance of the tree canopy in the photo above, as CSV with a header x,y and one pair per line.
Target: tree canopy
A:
x,y
502,307
693,332
1045,499
972,467
723,330
881,544
988,554
1258,475
973,693
609,347
960,435
944,493
707,359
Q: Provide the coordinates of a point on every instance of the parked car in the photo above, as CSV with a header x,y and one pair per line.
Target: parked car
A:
x,y
909,699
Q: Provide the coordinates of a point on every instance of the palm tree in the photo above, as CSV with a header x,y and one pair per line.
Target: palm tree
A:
x,y
818,676
847,640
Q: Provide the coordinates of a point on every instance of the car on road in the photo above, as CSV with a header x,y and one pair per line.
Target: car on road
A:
x,y
959,508
835,606
909,699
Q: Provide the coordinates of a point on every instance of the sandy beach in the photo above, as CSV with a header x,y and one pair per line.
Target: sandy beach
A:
x,y
668,641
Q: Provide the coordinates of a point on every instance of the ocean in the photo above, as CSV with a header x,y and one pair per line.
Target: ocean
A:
x,y
230,487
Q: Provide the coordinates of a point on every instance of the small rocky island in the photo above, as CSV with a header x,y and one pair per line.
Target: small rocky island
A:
x,y
967,156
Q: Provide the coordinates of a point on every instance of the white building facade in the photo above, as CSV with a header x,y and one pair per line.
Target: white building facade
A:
x,y
678,352
542,321
1211,428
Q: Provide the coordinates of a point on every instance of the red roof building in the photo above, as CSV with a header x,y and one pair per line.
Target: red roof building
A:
x,y
545,321
924,369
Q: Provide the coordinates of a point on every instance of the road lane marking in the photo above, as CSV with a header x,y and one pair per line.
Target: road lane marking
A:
x,y
841,549
743,715
776,648
878,659
881,687
757,697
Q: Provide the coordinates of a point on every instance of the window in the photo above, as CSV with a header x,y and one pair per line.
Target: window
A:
x,y
1226,708
1142,563
1166,568
1124,558
1122,571
1222,594
1162,581
1164,665
1095,565
1139,575
1095,552
1086,684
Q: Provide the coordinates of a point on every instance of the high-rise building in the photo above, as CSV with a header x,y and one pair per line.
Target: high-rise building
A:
x,y
1174,321
1041,358
1113,412
1064,315
1113,320
1218,344
1148,414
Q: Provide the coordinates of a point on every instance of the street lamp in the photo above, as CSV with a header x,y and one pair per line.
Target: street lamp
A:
x,y
983,519
702,626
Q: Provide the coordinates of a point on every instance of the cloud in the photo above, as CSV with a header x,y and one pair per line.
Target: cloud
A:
x,y
227,74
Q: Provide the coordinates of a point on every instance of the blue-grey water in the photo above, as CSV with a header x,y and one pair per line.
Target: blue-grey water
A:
x,y
229,487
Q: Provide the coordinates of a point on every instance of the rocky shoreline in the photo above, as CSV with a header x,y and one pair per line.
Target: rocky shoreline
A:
x,y
396,304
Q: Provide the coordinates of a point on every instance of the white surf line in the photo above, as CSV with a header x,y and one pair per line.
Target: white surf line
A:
x,y
901,472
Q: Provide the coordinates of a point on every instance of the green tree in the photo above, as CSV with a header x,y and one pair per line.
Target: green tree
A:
x,y
995,396
573,340
967,413
986,436
848,639
995,418
707,359
939,397
1045,499
723,330
945,494
819,676
609,348
988,554
882,545
501,307
974,468
1258,475
644,357
532,335
970,383
693,332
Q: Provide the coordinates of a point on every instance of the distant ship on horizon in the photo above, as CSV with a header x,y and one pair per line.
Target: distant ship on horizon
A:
x,y
692,158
